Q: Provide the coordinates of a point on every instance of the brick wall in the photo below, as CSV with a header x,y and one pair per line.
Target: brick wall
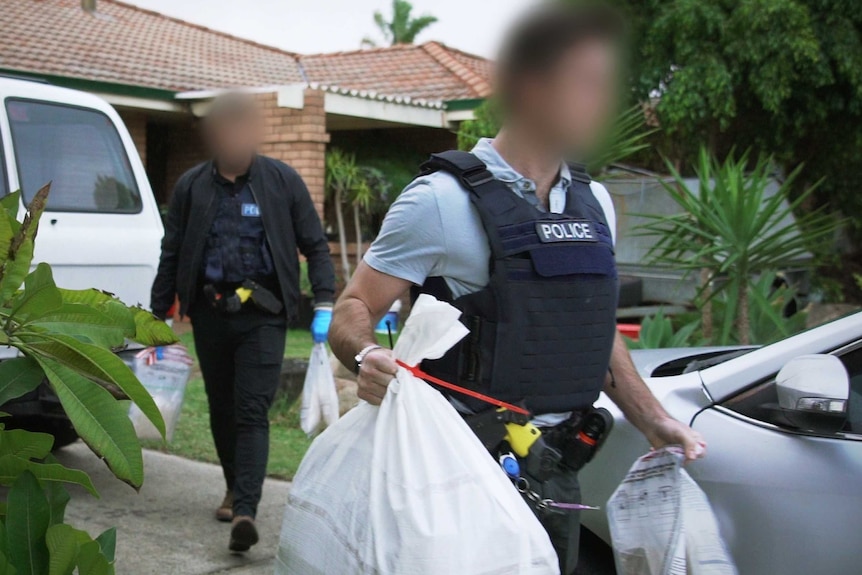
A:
x,y
185,150
136,122
299,138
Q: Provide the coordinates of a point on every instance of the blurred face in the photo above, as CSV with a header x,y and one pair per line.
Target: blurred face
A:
x,y
572,103
233,140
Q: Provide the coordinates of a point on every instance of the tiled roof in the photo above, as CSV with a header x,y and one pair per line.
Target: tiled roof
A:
x,y
429,71
124,44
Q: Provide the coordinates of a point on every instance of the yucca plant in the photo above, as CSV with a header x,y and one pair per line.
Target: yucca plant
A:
x,y
69,338
627,135
732,231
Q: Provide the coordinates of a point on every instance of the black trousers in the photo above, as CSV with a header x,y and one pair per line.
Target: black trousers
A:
x,y
564,528
241,357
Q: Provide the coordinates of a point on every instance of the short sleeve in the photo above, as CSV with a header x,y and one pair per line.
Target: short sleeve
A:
x,y
604,198
411,240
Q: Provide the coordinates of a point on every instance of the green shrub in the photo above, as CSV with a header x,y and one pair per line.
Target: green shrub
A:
x,y
67,337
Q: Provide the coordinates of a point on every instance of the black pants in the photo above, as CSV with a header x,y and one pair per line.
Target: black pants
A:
x,y
241,357
564,529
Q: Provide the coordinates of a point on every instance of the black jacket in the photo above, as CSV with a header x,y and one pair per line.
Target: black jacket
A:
x,y
289,220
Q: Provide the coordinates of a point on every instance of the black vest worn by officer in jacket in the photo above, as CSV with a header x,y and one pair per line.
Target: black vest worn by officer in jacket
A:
x,y
542,331
236,248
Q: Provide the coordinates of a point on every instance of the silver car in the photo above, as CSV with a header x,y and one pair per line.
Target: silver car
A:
x,y
784,480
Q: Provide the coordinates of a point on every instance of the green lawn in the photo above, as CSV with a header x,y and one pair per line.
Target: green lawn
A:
x,y
192,438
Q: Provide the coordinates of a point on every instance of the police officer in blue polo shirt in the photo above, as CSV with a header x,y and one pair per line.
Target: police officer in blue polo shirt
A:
x,y
232,233
522,243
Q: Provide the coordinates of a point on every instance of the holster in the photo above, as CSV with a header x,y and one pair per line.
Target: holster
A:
x,y
263,298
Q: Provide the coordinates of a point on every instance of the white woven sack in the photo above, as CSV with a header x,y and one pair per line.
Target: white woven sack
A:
x,y
407,488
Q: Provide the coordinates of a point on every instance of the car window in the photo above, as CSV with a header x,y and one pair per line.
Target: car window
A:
x,y
853,362
4,176
79,151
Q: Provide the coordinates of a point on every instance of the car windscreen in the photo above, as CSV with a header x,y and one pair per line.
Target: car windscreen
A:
x,y
78,151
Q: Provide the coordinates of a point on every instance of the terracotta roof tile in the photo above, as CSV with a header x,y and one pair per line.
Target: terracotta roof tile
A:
x,y
128,45
429,71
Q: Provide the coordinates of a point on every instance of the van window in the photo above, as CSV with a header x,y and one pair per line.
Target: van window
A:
x,y
4,182
79,151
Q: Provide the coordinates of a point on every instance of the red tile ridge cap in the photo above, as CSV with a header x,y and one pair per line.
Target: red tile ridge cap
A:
x,y
442,54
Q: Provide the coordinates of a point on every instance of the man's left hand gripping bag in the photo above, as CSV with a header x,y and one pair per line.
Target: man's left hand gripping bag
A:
x,y
407,488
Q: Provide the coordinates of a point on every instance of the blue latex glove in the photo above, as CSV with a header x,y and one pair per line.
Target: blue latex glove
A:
x,y
320,324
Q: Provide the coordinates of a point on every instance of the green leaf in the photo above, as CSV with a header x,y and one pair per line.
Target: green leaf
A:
x,y
20,251
101,421
18,376
101,366
151,331
63,545
11,466
11,203
57,497
40,295
91,560
26,444
6,567
27,520
103,324
108,543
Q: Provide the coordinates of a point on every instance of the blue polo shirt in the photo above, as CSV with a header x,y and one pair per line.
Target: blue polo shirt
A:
x,y
433,229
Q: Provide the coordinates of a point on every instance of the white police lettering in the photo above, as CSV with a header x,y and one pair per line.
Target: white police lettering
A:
x,y
565,231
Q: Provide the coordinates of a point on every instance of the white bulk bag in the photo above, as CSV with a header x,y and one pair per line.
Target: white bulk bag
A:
x,y
407,488
319,396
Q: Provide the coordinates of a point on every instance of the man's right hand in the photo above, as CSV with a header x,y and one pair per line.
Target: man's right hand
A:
x,y
377,371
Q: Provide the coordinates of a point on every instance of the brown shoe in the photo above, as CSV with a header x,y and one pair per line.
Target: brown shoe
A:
x,y
243,534
225,511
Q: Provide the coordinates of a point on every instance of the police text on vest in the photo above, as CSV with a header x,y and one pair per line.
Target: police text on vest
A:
x,y
565,231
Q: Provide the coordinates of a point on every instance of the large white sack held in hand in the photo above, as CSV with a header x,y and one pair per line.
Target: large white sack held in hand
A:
x,y
661,522
319,396
407,488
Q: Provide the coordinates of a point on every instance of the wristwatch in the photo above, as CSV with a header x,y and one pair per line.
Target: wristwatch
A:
x,y
360,357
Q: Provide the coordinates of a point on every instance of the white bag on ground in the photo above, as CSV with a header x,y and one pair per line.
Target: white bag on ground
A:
x,y
407,488
319,396
164,372
661,522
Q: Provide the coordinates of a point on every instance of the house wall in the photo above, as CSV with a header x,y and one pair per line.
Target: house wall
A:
x,y
299,138
136,122
296,137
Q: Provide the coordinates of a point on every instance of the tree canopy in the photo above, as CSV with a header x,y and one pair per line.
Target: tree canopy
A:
x,y
780,76
403,28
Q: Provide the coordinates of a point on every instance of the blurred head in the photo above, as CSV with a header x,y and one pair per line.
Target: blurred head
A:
x,y
558,73
233,130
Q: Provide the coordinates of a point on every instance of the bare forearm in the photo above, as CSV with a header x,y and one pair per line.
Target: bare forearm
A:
x,y
627,389
352,329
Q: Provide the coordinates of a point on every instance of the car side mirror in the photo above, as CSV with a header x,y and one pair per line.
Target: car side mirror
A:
x,y
813,392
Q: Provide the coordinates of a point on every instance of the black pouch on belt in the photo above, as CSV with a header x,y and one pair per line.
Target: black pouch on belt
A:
x,y
581,437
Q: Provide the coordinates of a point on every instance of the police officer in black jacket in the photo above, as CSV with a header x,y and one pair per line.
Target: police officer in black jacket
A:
x,y
230,253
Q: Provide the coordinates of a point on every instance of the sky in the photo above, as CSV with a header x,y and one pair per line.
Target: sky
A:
x,y
312,26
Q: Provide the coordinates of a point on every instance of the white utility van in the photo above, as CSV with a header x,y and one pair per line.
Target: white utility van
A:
x,y
102,226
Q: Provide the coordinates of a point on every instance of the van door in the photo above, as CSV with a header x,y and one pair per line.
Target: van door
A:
x,y
101,227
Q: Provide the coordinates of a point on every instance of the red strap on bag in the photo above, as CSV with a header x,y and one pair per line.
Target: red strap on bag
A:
x,y
415,370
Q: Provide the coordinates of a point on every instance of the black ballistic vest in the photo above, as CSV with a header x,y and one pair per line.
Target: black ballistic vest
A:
x,y
542,330
236,248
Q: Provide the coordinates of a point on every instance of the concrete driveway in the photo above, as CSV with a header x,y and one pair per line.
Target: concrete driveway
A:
x,y
169,528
